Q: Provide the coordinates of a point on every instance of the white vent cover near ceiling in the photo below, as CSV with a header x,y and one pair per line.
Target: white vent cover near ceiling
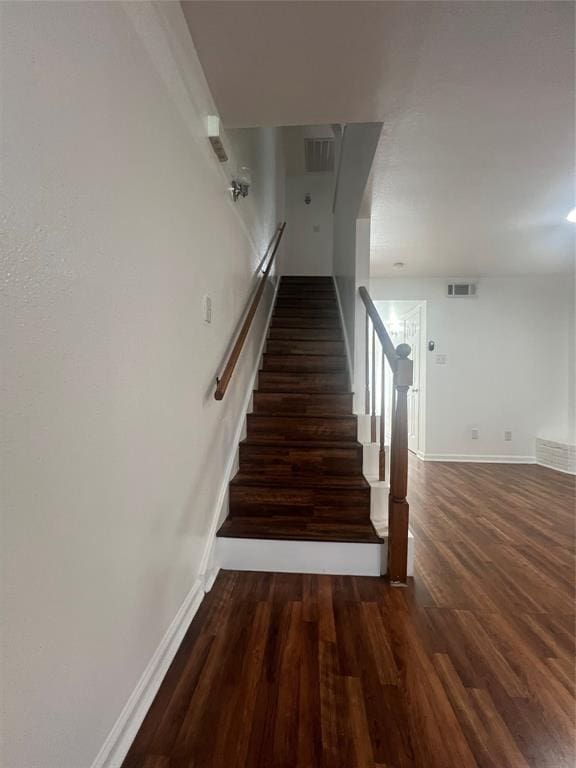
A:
x,y
319,155
461,290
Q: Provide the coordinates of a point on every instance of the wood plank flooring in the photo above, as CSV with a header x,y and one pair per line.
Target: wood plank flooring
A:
x,y
471,665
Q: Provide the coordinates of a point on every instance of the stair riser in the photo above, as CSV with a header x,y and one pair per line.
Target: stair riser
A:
x,y
307,363
308,295
274,381
305,322
278,460
303,347
308,302
305,404
305,334
289,428
324,504
301,557
306,312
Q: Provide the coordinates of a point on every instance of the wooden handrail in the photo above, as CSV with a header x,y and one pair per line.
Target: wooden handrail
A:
x,y
378,325
223,381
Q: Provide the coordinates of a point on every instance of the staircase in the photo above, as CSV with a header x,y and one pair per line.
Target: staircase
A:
x,y
299,501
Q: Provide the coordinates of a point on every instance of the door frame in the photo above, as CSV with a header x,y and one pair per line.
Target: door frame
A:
x,y
421,308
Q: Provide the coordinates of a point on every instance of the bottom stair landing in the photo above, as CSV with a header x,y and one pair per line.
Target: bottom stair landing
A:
x,y
299,502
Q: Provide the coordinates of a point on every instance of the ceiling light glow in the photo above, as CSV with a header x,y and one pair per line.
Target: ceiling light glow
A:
x,y
572,216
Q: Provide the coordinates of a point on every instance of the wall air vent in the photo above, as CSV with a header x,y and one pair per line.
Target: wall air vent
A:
x,y
319,155
461,290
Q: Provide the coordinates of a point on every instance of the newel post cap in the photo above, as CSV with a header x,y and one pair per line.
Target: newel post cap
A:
x,y
403,350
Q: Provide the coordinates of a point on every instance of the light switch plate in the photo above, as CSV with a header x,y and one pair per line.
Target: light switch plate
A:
x,y
441,359
207,309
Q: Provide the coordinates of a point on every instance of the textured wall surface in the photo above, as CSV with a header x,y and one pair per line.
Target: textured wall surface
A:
x,y
357,153
509,362
117,221
309,252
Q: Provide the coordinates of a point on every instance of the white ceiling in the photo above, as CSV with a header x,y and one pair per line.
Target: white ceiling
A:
x,y
474,172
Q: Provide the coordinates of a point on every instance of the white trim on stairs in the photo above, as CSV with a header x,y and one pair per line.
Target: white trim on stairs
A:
x,y
479,459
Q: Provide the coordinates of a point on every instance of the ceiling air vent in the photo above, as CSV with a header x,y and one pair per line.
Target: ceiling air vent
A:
x,y
461,290
319,155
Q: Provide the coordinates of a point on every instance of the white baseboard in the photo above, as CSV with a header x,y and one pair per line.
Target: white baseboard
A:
x,y
344,333
122,735
478,459
123,732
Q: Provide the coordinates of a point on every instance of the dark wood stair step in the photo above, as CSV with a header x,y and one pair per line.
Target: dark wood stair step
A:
x,y
317,382
289,321
328,482
295,427
304,347
305,334
260,455
302,310
306,292
299,529
307,279
287,498
305,403
285,362
307,301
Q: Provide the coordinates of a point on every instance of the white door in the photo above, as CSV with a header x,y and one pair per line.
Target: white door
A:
x,y
412,336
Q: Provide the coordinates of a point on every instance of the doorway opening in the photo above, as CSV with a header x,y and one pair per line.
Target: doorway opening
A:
x,y
405,321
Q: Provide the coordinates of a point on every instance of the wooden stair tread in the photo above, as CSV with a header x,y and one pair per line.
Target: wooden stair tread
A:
x,y
324,444
304,417
303,363
285,321
303,393
268,480
303,403
301,347
292,426
299,529
309,382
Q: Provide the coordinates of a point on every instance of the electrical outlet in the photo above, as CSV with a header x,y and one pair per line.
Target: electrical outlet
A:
x,y
475,433
207,309
507,436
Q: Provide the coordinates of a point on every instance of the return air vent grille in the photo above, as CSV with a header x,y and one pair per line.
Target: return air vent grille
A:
x,y
461,290
319,155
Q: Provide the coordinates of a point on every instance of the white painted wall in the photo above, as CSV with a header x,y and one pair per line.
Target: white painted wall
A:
x,y
357,151
307,252
117,221
362,277
510,362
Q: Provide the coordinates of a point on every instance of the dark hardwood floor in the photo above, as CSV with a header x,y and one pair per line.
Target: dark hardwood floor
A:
x,y
471,665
